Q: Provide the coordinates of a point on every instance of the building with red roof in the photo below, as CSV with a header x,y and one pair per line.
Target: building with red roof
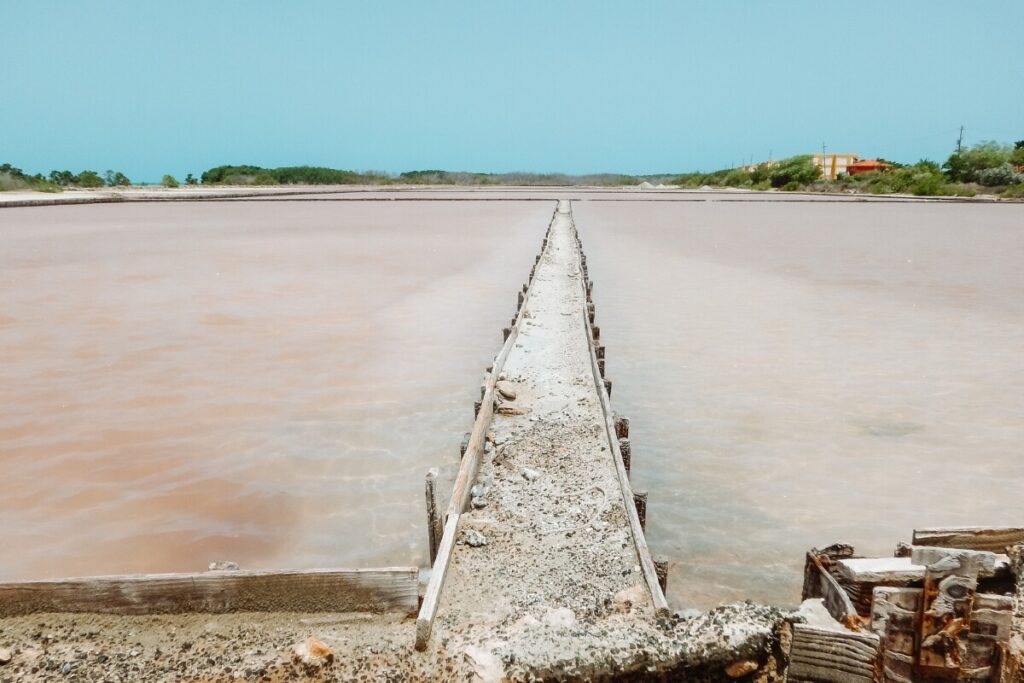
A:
x,y
866,166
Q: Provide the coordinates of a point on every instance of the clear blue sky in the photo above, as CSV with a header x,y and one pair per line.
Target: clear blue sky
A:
x,y
639,87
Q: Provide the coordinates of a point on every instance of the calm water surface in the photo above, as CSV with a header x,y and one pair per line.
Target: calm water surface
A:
x,y
268,382
803,374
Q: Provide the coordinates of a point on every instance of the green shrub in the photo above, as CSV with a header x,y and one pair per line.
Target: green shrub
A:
x,y
1013,192
169,181
800,170
89,179
116,179
1000,175
966,166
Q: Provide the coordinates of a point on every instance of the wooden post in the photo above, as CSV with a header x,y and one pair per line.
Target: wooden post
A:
x,y
608,387
600,366
599,351
621,426
434,526
505,332
519,302
476,408
661,567
465,444
596,331
627,452
640,500
947,601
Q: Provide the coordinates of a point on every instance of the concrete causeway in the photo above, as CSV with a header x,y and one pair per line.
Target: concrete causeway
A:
x,y
547,501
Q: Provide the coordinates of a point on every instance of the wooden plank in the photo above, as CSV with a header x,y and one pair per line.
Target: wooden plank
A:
x,y
819,583
820,655
467,473
900,571
640,541
217,592
992,539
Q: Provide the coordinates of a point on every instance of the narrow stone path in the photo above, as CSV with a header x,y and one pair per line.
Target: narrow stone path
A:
x,y
547,540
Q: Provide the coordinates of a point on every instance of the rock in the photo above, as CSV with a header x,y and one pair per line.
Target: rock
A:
x,y
688,613
479,503
223,566
530,474
67,668
486,667
625,599
562,617
528,622
313,652
478,491
506,391
5,656
473,538
741,668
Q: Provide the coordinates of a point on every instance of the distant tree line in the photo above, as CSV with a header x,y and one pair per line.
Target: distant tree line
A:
x,y
13,178
288,175
318,175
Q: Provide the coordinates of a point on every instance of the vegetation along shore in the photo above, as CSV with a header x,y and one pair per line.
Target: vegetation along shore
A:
x,y
988,168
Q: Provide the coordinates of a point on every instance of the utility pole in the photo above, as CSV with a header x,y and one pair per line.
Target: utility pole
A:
x,y
960,140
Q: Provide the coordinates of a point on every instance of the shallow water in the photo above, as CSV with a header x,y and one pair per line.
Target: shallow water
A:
x,y
268,382
804,374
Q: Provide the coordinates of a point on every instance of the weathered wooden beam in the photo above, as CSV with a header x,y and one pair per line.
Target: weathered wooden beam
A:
x,y
819,583
434,526
218,592
639,540
819,655
484,413
992,539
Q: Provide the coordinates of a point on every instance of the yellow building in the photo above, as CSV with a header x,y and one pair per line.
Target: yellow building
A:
x,y
832,165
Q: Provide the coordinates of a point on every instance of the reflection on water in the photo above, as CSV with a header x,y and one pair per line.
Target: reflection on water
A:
x,y
266,383
802,374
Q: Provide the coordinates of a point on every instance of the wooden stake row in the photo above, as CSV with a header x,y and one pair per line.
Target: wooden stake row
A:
x,y
441,534
655,570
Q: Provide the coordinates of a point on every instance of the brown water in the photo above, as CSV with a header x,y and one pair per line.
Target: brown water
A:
x,y
268,382
803,374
